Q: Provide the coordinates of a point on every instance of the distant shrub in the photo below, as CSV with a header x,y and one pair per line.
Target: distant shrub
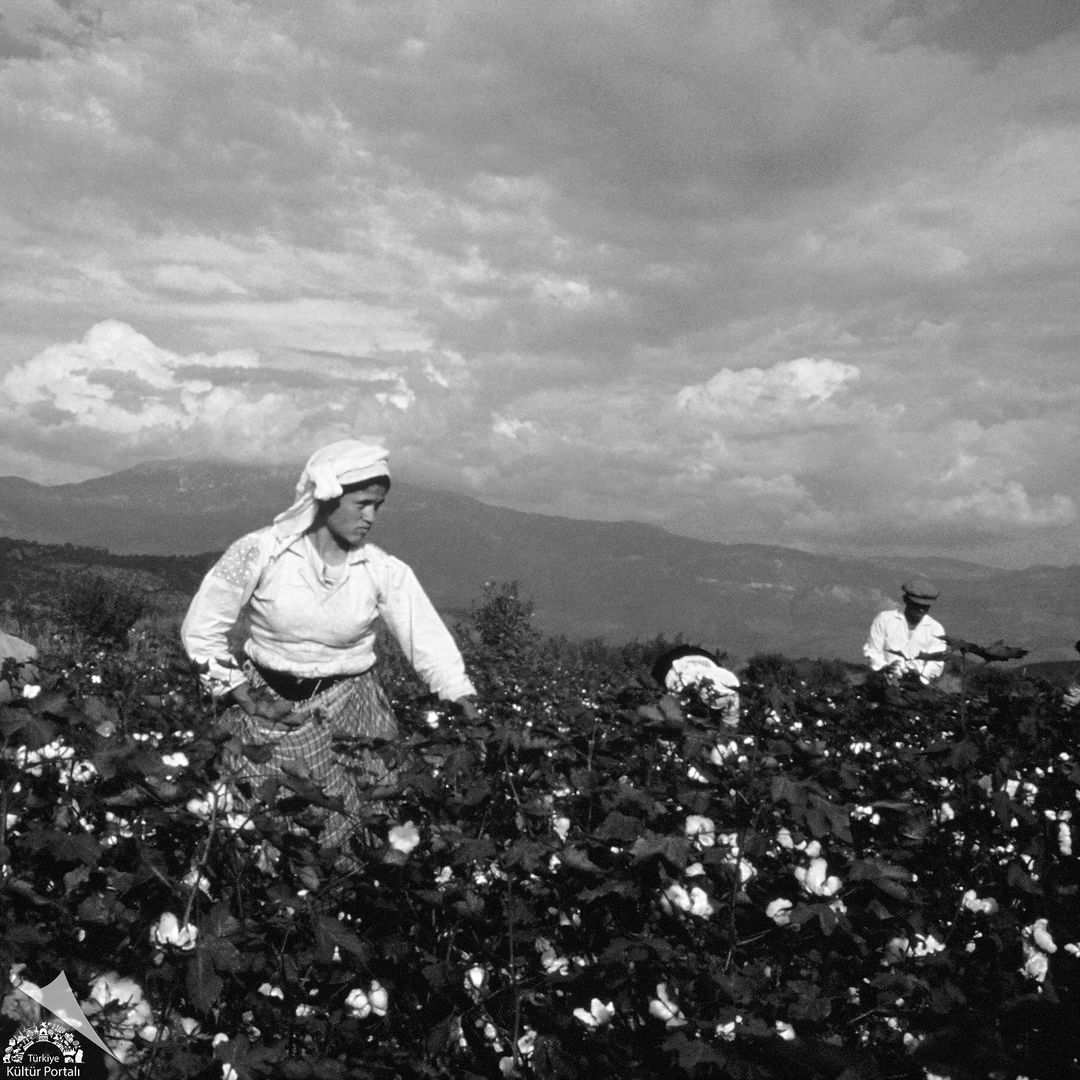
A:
x,y
772,669
101,609
503,618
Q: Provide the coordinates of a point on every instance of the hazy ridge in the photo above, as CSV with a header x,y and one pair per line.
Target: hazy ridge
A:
x,y
617,580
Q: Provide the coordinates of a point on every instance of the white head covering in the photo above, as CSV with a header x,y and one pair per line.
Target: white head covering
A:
x,y
328,471
688,670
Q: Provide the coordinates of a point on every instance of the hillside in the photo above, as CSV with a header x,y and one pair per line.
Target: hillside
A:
x,y
616,580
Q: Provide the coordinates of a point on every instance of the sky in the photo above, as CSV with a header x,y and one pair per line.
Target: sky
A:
x,y
798,272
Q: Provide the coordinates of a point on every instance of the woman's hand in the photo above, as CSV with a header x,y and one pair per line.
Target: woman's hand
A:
x,y
273,710
469,709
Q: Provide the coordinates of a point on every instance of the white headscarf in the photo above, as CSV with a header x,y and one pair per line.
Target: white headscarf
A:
x,y
688,670
328,471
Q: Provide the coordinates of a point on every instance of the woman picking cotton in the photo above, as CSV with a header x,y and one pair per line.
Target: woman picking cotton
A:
x,y
696,672
313,589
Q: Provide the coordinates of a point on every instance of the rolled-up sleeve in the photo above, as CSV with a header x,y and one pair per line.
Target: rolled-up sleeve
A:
x,y
932,642
421,633
213,613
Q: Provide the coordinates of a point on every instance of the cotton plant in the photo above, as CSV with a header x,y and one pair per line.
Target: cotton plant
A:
x,y
33,762
119,1010
733,858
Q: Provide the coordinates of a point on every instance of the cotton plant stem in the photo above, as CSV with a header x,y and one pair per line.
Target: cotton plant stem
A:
x,y
513,968
200,864
963,693
3,813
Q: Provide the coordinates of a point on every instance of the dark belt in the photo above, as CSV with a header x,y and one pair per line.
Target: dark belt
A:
x,y
294,687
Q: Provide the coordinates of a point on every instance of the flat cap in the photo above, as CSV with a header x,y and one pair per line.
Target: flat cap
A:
x,y
920,589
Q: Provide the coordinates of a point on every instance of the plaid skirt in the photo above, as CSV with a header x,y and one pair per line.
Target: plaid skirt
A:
x,y
349,709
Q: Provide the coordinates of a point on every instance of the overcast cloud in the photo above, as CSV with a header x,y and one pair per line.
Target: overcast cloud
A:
x,y
800,272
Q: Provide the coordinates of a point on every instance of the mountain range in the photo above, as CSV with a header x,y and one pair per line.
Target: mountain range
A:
x,y
614,580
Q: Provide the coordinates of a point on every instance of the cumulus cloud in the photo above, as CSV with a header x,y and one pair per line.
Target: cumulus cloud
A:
x,y
1003,507
511,428
792,389
116,387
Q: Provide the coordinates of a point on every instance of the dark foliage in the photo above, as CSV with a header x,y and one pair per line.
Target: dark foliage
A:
x,y
589,881
101,609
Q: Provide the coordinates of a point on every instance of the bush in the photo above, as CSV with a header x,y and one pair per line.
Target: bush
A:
x,y
503,619
100,609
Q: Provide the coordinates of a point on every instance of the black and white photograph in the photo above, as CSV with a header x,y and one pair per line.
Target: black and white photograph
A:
x,y
539,540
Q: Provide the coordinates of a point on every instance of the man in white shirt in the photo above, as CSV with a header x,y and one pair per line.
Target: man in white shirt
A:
x,y
901,641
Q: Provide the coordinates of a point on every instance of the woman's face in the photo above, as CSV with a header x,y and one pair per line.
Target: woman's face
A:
x,y
351,519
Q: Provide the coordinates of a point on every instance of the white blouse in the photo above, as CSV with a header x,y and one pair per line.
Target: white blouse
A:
x,y
313,621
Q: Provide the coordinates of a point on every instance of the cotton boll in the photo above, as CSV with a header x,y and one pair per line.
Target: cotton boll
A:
x,y
972,902
404,838
675,897
700,905
722,752
1036,963
1040,935
779,911
700,830
815,878
380,1000
927,945
663,1007
597,1015
168,931
357,1004
194,880
896,951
